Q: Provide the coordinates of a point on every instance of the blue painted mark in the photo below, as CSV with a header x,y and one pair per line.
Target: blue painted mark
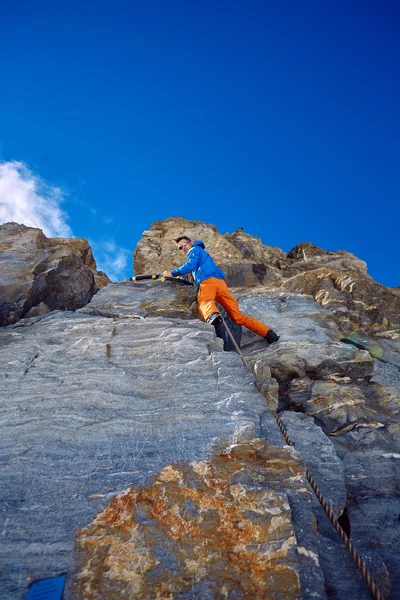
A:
x,y
47,589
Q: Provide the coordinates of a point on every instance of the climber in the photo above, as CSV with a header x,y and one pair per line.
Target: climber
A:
x,y
212,288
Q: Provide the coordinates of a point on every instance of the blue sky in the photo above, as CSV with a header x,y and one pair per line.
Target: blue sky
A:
x,y
279,117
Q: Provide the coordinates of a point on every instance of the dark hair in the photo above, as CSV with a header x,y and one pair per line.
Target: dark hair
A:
x,y
182,237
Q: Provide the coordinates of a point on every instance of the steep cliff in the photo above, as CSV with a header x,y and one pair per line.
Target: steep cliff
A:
x,y
146,462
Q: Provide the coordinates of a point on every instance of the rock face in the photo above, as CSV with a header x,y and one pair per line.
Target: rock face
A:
x,y
40,274
146,462
97,404
243,257
144,299
337,280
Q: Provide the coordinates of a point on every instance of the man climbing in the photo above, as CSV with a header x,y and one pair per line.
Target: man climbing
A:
x,y
213,288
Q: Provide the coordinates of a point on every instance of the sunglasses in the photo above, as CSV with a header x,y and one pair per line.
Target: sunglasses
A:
x,y
182,245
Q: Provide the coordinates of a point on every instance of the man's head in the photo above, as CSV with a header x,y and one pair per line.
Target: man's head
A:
x,y
184,243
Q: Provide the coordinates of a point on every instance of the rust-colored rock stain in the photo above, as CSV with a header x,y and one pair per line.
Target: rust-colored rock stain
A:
x,y
215,529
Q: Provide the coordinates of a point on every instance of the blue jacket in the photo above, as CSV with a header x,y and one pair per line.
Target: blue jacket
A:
x,y
200,264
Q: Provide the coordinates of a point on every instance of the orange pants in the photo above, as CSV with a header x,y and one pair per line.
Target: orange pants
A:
x,y
215,290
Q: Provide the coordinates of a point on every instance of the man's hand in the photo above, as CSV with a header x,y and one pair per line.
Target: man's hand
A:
x,y
167,274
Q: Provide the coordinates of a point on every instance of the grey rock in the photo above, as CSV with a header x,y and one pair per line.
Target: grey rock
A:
x,y
96,405
341,406
39,309
309,339
384,346
320,457
343,580
354,398
92,405
269,428
141,299
267,384
312,578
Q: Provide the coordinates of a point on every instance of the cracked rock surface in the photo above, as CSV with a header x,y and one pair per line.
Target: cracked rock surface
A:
x,y
353,398
94,405
145,462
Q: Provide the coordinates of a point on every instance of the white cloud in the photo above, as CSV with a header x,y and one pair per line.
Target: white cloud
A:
x,y
110,258
26,198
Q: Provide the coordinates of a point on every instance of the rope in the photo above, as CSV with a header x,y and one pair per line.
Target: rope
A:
x,y
234,342
347,542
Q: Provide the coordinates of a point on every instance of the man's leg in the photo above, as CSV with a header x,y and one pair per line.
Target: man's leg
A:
x,y
224,297
206,298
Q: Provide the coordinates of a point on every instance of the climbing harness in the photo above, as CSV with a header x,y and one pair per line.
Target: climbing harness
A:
x,y
161,278
345,539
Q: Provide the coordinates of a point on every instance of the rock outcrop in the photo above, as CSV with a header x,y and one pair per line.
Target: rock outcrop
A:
x,y
337,280
40,274
246,261
146,462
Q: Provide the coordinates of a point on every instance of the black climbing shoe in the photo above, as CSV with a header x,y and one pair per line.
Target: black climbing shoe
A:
x,y
271,337
215,319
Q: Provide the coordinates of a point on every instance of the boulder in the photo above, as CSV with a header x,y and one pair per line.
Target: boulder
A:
x,y
40,274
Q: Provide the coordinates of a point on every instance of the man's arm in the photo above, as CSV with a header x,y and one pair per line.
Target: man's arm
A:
x,y
190,264
188,267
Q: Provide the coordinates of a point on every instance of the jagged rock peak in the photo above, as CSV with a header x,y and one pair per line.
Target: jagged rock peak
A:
x,y
241,255
309,253
39,274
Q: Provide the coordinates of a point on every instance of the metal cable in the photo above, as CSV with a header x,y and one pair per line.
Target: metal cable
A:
x,y
347,542
234,342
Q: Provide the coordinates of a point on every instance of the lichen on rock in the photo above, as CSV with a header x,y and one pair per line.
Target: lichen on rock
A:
x,y
197,525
